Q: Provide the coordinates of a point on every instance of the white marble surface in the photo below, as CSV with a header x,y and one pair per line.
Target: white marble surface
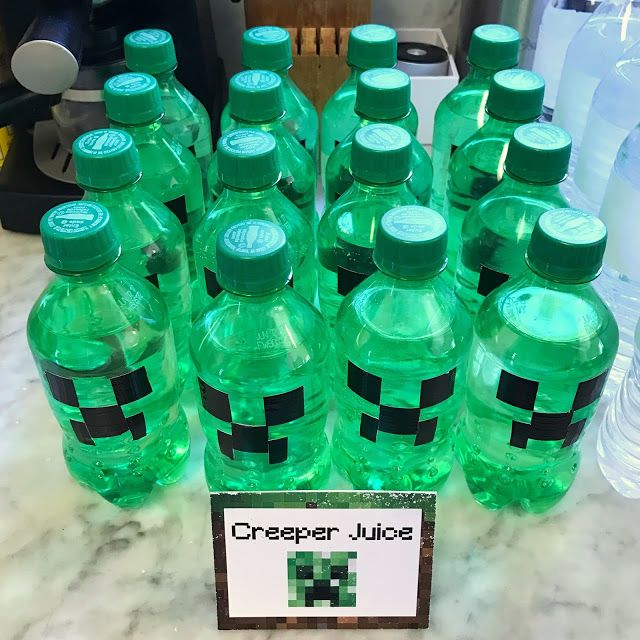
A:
x,y
74,567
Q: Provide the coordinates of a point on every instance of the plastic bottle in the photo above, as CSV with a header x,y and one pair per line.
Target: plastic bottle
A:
x,y
619,436
256,101
542,347
496,231
260,351
269,48
151,238
401,340
614,113
101,340
170,171
493,47
185,118
476,167
619,283
381,166
370,46
613,28
248,169
384,95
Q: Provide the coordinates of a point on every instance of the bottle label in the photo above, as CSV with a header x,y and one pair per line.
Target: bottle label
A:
x,y
106,421
159,262
237,437
401,421
490,279
352,263
179,207
565,426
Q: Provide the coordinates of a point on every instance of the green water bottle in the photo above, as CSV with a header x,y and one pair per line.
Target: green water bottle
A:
x,y
260,352
151,238
370,46
384,95
256,101
170,171
381,166
249,171
496,231
542,347
515,98
401,338
101,340
493,47
269,48
185,118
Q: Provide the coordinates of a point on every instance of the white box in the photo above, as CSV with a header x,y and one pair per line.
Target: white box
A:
x,y
428,91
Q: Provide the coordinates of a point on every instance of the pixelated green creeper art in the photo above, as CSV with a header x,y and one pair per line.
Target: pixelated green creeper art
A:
x,y
322,578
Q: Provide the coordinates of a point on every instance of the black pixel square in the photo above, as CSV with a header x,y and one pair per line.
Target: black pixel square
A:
x,y
278,450
284,407
211,283
250,439
436,390
179,207
82,433
573,432
368,427
131,386
153,279
215,402
426,431
349,280
398,421
517,391
104,422
367,385
589,391
519,434
225,443
62,389
490,280
137,425
549,426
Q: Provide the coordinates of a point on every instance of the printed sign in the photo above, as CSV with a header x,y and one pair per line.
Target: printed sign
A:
x,y
323,559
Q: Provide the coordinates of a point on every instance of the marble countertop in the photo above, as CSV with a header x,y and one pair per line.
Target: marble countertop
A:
x,y
74,567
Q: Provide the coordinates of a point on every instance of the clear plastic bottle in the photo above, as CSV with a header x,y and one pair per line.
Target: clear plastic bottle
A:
x,y
152,51
152,240
613,28
370,46
384,95
477,166
101,340
496,231
614,113
247,162
260,351
269,48
493,47
401,340
256,101
170,171
542,347
619,436
619,283
381,166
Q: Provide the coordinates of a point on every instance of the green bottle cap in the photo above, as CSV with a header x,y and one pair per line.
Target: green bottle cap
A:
x,y
411,242
252,257
381,154
266,48
539,153
494,47
256,96
105,159
567,245
77,236
133,98
247,159
515,94
371,46
150,50
383,94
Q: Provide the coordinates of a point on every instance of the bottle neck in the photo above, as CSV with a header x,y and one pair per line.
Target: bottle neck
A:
x,y
410,284
402,122
546,282
166,79
478,74
141,132
249,194
124,193
366,188
537,190
94,276
496,125
271,126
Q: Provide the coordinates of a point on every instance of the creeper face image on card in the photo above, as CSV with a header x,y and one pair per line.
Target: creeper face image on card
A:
x,y
322,578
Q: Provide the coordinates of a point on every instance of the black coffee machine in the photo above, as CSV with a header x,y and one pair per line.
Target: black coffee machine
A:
x,y
62,53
